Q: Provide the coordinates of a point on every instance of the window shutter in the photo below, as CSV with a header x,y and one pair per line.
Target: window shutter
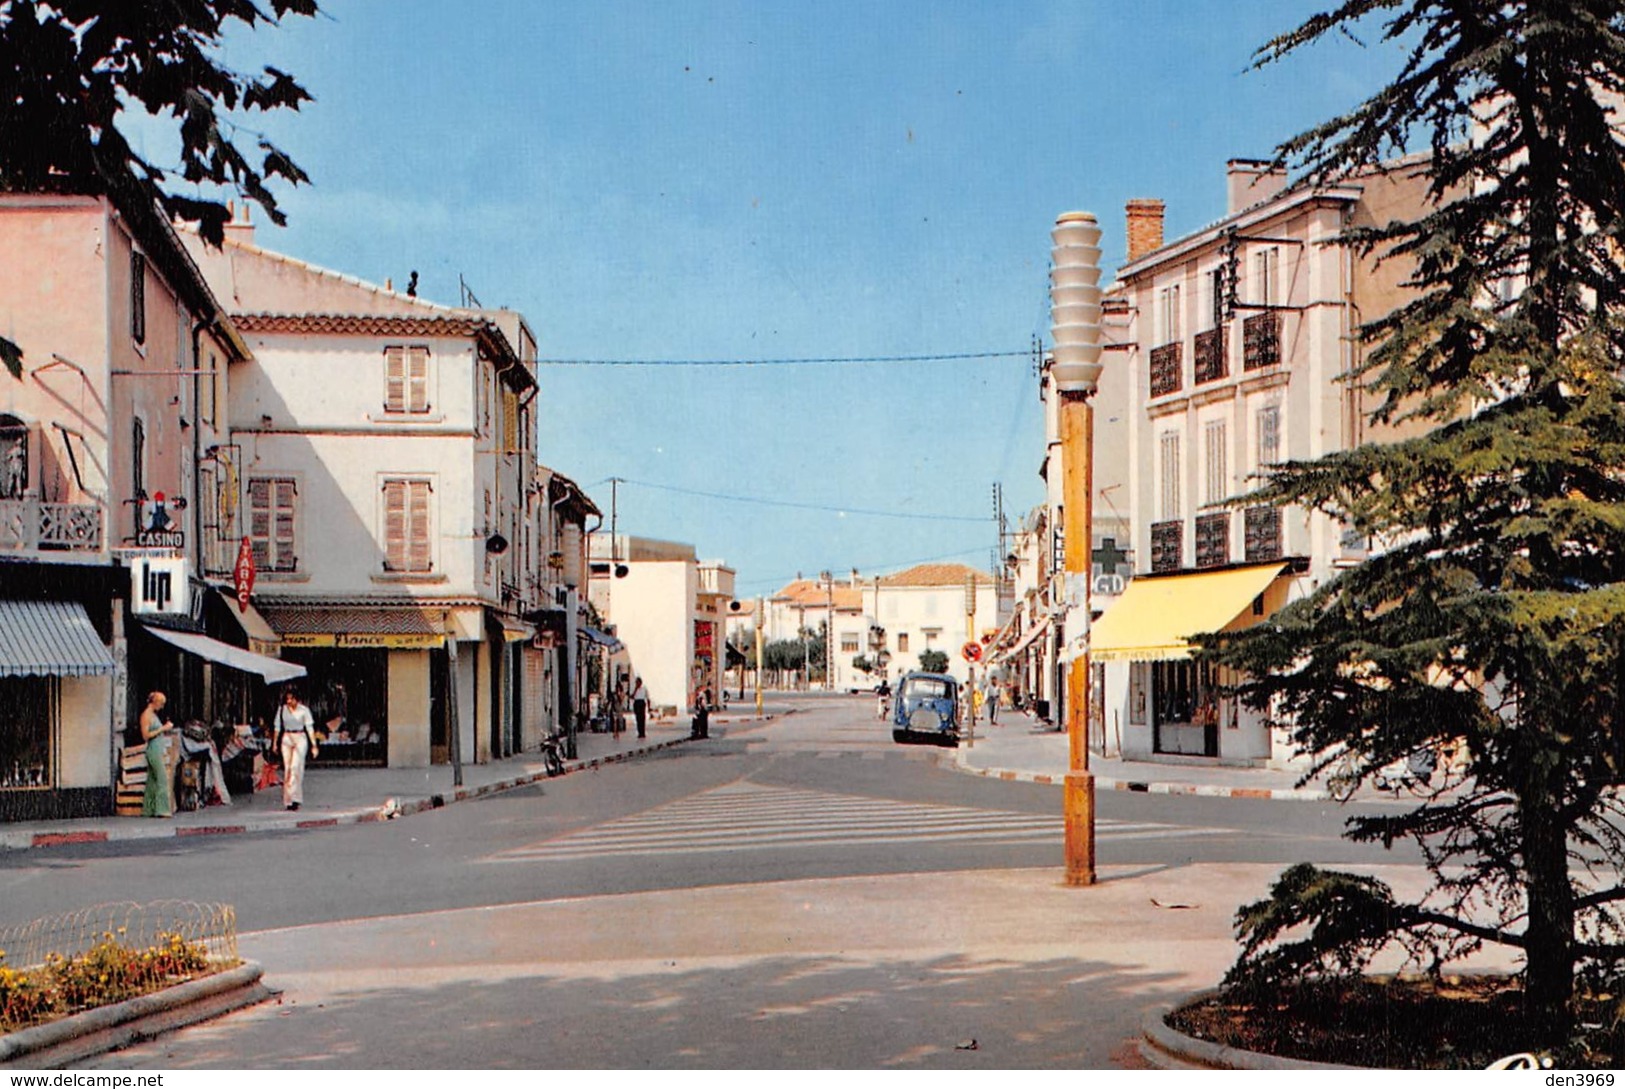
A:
x,y
259,522
420,556
417,379
283,524
395,525
394,379
510,421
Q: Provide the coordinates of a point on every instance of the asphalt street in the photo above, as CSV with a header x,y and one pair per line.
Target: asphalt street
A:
x,y
807,875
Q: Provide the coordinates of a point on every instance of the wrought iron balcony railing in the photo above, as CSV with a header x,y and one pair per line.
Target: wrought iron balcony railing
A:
x,y
1167,546
29,525
1260,341
1213,539
1167,365
1261,527
1211,360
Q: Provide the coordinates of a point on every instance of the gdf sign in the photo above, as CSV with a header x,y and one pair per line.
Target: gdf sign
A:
x,y
971,651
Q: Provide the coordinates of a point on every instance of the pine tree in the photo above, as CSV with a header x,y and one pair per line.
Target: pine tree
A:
x,y
1494,618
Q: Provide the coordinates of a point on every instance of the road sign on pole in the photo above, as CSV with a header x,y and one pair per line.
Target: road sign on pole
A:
x,y
972,651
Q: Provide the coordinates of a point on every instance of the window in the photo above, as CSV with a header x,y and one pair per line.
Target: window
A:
x,y
849,643
1217,482
1269,435
138,297
1168,314
406,379
25,743
1215,296
407,544
1266,274
1139,678
482,386
273,520
1169,508
138,459
510,422
902,642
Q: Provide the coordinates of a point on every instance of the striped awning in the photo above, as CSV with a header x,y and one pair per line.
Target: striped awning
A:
x,y
342,626
50,639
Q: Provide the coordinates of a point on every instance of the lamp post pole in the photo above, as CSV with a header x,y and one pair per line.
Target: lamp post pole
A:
x,y
761,618
1075,328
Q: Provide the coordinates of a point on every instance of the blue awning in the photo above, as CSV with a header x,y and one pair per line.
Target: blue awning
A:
x,y
603,639
50,639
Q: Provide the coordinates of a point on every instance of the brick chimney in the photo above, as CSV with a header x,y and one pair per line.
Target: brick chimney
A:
x,y
1144,226
1249,182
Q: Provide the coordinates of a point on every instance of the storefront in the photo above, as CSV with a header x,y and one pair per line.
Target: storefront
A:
x,y
369,683
56,683
1155,696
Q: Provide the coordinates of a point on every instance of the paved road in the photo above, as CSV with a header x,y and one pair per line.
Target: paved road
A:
x,y
804,893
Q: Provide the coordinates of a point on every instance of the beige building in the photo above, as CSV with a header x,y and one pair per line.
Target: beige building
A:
x,y
1234,341
669,609
384,447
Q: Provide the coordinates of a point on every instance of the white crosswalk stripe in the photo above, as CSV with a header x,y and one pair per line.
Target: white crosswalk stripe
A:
x,y
747,816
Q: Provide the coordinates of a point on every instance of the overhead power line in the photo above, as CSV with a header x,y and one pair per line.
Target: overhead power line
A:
x,y
760,501
939,358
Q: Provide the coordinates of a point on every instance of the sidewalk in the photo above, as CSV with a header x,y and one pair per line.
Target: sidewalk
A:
x,y
336,796
1019,748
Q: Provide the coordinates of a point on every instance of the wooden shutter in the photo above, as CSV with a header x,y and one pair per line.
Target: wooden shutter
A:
x,y
284,516
510,422
417,380
394,379
259,522
407,545
420,555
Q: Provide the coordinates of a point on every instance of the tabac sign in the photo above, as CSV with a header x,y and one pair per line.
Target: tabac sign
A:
x,y
159,584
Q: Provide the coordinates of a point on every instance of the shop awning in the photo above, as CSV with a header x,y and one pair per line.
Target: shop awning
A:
x,y
50,639
603,639
1026,640
273,670
353,626
261,639
516,631
1155,616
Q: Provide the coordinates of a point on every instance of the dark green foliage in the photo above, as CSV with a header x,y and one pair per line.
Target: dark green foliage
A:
x,y
934,661
74,66
1494,620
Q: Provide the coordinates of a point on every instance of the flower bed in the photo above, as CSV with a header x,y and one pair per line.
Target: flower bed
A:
x,y
1448,1023
111,970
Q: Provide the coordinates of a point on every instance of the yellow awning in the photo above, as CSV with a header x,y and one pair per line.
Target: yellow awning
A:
x,y
1155,616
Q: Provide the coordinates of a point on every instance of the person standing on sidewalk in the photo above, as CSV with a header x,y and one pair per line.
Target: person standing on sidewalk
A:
x,y
640,705
295,737
156,800
701,727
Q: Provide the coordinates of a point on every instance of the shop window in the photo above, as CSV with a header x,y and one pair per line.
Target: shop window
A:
x,y
25,732
902,642
407,544
273,523
849,643
1138,681
406,379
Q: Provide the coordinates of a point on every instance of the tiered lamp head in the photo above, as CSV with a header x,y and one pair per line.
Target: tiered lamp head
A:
x,y
1074,296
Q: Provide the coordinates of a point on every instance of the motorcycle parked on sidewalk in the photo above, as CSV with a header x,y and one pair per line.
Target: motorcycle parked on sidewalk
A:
x,y
553,754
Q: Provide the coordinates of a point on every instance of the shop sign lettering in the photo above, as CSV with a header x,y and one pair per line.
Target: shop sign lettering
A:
x,y
159,585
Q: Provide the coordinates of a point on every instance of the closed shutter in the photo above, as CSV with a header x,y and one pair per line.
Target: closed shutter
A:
x,y
259,522
273,522
394,379
510,422
406,526
417,380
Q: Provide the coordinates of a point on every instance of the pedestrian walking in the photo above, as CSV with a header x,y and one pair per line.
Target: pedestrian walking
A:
x,y
156,800
640,705
295,739
882,699
701,726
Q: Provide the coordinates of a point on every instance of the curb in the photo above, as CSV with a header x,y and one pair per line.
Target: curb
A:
x,y
1170,1049
109,1028
1139,787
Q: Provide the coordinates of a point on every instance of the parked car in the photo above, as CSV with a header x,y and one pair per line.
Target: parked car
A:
x,y
926,708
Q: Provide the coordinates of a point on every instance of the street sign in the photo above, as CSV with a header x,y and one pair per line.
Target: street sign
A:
x,y
243,574
972,651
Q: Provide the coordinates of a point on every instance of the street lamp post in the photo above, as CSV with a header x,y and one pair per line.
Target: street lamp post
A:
x,y
1075,329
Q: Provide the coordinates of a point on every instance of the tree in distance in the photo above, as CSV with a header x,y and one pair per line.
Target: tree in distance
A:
x,y
933,661
1492,622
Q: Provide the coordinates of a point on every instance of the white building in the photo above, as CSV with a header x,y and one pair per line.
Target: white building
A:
x,y
384,446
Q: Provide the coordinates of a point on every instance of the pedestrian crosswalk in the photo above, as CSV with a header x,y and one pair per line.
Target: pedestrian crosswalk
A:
x,y
745,816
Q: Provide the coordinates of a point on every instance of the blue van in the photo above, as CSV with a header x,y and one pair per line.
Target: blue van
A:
x,y
926,708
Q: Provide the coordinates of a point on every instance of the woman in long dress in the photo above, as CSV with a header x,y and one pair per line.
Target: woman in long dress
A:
x,y
157,800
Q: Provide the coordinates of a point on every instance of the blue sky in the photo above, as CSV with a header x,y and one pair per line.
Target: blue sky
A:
x,y
732,181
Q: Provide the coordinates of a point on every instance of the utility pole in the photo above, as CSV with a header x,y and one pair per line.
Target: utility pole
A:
x,y
970,663
760,617
1075,328
829,631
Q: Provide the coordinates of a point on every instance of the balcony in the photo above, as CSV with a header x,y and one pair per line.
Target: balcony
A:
x,y
1211,359
29,525
1167,366
1260,341
1167,546
1212,539
1261,527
